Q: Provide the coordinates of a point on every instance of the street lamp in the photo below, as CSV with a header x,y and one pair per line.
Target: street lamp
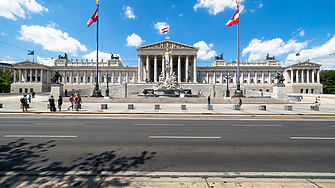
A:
x,y
227,92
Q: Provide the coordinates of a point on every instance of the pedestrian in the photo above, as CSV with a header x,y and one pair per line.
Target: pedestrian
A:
x,y
319,100
60,102
29,99
155,93
52,104
77,101
33,94
24,101
209,99
214,94
71,99
240,103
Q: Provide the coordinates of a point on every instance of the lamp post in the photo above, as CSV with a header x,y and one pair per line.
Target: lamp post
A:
x,y
227,91
107,90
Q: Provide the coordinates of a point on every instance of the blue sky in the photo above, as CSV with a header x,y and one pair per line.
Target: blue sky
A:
x,y
281,28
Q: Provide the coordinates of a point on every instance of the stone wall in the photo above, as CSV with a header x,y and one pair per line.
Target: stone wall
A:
x,y
304,88
36,87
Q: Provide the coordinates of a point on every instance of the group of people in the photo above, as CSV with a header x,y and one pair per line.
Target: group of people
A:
x,y
75,100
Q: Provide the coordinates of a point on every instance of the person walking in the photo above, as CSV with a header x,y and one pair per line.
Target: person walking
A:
x,y
319,100
60,102
240,103
52,104
29,99
77,101
71,99
209,99
24,101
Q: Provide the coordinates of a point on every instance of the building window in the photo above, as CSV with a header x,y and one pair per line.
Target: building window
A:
x,y
301,90
75,80
89,79
312,91
103,79
67,79
116,80
25,90
260,90
81,79
306,90
252,80
245,81
31,90
258,81
38,78
20,90
254,89
267,90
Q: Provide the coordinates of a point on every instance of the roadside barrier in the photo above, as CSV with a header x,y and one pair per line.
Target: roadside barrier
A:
x,y
262,107
131,106
157,107
183,107
104,106
289,108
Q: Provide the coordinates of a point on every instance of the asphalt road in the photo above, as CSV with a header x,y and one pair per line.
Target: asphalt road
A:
x,y
64,144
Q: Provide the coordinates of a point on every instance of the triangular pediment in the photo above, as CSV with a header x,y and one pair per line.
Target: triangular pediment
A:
x,y
306,64
163,44
28,64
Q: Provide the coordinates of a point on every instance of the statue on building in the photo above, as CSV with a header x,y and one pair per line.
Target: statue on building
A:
x,y
269,58
114,56
219,57
280,78
55,78
63,57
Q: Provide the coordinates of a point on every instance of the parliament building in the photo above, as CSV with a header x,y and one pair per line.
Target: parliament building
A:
x,y
123,81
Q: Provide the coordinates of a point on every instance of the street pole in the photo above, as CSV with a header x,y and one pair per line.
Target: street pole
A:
x,y
238,92
227,92
107,91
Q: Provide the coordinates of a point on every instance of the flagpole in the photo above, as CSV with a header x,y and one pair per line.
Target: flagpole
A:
x,y
238,92
96,91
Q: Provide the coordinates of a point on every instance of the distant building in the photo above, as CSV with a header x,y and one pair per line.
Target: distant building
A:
x,y
6,66
131,81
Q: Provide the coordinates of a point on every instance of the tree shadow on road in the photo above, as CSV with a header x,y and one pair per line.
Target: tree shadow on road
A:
x,y
20,155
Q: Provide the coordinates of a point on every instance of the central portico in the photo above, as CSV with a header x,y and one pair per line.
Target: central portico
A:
x,y
183,61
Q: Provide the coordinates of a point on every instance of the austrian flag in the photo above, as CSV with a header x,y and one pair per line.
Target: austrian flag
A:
x,y
235,19
93,19
165,30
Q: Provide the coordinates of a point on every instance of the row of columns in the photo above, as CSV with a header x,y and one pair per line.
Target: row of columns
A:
x,y
301,71
269,78
148,73
23,73
91,74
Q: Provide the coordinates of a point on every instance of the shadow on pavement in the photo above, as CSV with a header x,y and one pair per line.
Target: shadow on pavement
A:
x,y
20,155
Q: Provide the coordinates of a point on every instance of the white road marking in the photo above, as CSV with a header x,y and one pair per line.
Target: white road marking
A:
x,y
257,125
313,138
38,136
182,137
59,123
160,124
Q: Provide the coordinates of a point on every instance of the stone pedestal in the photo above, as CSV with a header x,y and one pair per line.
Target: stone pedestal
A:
x,y
56,91
279,92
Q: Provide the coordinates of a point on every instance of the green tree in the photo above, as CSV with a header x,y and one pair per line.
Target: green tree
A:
x,y
327,79
6,78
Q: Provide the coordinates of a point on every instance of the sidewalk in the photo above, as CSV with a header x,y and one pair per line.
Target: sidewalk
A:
x,y
161,182
11,104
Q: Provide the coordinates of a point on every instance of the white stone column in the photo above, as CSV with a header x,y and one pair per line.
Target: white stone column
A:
x,y
147,68
262,77
171,64
20,75
85,77
292,76
318,76
256,78
120,78
186,70
308,76
36,75
313,76
127,77
214,77
242,78
48,77
155,69
14,75
221,78
249,78
234,80
31,75
25,75
163,66
179,70
207,81
138,69
63,77
71,77
42,76
92,77
112,79
134,80
302,76
195,70
78,77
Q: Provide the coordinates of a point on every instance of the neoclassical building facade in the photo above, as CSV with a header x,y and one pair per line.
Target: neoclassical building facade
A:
x,y
79,75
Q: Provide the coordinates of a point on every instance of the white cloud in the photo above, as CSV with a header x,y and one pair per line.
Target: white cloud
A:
x,y
216,6
180,14
260,5
3,34
51,39
134,40
328,34
11,9
160,25
205,51
252,10
302,33
47,61
52,24
129,12
173,6
319,54
258,48
102,55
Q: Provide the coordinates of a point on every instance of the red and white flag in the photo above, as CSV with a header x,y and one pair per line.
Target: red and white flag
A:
x,y
165,30
93,19
235,19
